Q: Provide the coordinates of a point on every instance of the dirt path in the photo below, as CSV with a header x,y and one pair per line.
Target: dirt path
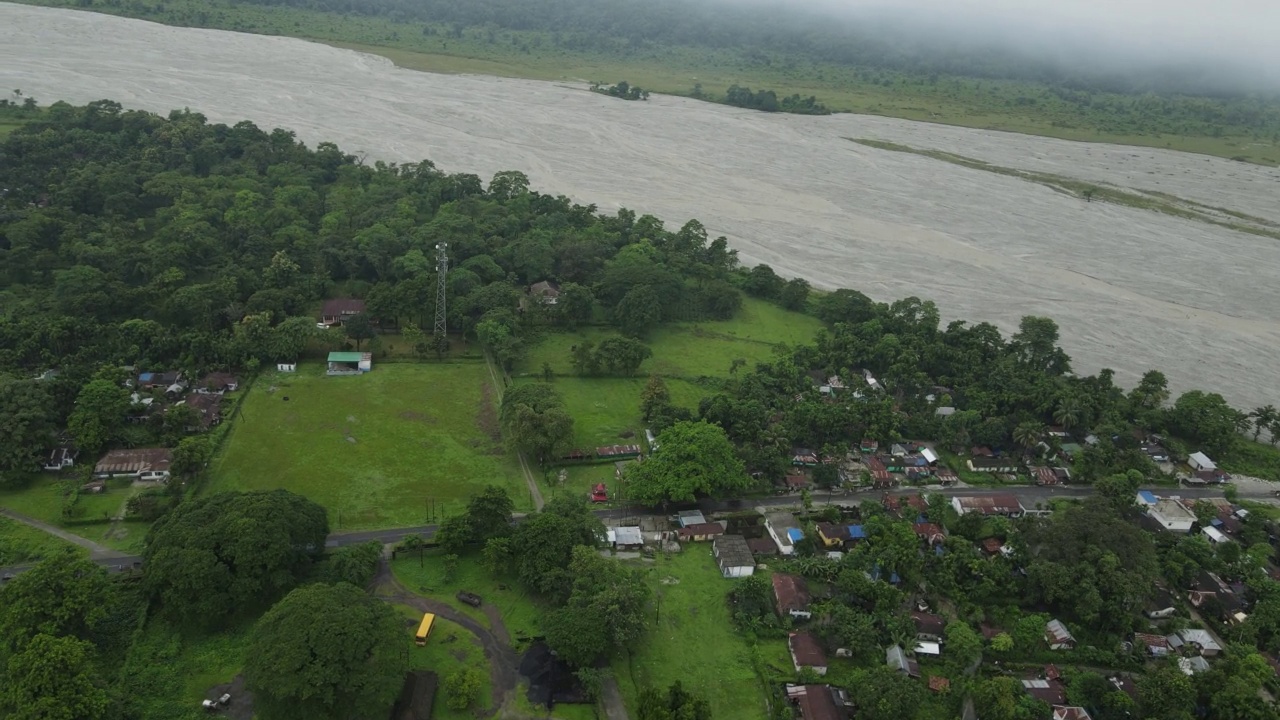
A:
x,y
95,550
503,663
611,696
534,491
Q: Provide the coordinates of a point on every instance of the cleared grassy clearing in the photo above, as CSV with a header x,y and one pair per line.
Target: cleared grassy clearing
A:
x,y
693,640
449,649
376,449
24,544
425,576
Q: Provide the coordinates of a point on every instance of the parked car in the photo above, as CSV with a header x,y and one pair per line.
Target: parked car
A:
x,y
471,599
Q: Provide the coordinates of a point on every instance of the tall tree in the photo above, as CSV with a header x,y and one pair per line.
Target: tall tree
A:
x,y
54,678
221,554
638,311
359,328
27,430
693,458
534,421
65,595
606,611
1263,419
326,651
99,414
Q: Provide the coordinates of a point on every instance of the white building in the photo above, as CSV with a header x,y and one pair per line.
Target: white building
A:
x,y
1172,515
733,556
1199,461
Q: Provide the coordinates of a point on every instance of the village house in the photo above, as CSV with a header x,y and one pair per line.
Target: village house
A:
x,y
833,535
762,547
338,310
545,292
618,452
796,483
60,458
702,532
930,533
1070,712
1193,665
1161,605
929,627
733,556
792,595
208,410
819,702
1207,587
1058,636
989,505
625,538
162,380
1201,462
1171,514
1200,640
896,658
804,457
217,383
147,464
992,465
1156,645
784,530
806,652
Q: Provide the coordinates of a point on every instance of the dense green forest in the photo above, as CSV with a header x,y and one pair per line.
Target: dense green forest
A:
x,y
673,46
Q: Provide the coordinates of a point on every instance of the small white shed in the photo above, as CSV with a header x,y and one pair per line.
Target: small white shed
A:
x,y
1199,461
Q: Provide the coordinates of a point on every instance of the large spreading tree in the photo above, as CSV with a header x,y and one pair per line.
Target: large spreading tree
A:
x,y
218,555
326,652
605,611
534,421
693,458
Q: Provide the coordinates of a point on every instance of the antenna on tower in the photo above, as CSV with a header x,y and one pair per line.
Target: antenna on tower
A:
x,y
442,270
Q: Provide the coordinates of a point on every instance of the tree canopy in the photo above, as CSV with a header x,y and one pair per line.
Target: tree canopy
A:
x,y
222,554
326,651
693,458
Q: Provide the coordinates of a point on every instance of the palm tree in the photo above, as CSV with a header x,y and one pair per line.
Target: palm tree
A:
x,y
1027,434
1068,413
1263,419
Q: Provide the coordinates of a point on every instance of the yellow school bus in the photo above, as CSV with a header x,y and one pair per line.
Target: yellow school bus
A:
x,y
425,628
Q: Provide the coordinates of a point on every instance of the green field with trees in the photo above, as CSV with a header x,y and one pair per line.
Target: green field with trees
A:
x,y
704,50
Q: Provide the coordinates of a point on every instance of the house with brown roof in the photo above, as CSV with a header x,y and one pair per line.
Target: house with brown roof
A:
x,y
1044,475
928,626
930,533
338,310
216,383
792,595
939,684
150,464
702,532
1058,636
208,410
1156,645
819,702
545,292
1049,691
1003,504
806,652
833,535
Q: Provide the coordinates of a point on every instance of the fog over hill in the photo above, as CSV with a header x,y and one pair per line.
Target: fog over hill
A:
x,y
1132,289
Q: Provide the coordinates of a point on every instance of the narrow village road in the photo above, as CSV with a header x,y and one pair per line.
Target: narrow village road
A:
x,y
96,551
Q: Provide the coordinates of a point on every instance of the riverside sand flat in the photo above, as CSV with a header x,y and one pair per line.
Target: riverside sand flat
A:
x,y
1131,289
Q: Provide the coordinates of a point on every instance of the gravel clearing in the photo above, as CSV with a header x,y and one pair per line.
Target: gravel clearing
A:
x,y
1131,289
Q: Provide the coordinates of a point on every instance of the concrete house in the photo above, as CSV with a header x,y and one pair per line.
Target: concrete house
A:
x,y
792,595
60,458
1172,515
703,532
338,310
733,556
1201,462
780,526
806,652
147,464
1058,636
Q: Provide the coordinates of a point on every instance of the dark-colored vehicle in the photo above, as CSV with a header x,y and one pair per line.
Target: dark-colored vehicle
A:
x,y
471,599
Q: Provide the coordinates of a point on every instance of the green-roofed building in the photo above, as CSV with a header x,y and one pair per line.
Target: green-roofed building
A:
x,y
350,363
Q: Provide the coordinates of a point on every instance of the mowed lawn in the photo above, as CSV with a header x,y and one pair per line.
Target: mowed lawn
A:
x,y
692,640
380,449
690,350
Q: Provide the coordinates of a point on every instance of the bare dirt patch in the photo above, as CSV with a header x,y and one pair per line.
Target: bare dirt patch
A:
x,y
487,414
241,705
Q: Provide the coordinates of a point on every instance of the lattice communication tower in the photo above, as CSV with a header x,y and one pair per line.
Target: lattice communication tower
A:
x,y
442,270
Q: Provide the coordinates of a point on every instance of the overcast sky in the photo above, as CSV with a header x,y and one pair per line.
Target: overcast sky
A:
x,y
1241,36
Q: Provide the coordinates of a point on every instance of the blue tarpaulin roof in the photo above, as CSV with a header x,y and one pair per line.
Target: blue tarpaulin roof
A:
x,y
1147,496
795,534
856,532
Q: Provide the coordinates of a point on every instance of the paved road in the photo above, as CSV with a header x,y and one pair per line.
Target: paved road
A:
x,y
1029,496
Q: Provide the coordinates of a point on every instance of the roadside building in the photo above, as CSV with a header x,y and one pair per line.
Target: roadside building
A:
x,y
1004,504
147,464
1172,515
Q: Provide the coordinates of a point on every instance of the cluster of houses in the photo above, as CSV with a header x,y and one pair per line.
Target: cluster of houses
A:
x,y
152,393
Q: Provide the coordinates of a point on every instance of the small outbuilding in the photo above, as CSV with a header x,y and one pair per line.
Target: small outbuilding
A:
x,y
806,652
733,556
1201,462
1058,636
350,363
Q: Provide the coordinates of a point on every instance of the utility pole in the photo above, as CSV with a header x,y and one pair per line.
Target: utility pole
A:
x,y
442,271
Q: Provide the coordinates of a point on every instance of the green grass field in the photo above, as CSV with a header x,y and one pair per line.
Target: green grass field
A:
x,y
980,103
24,544
42,500
694,641
450,648
169,671
376,449
519,610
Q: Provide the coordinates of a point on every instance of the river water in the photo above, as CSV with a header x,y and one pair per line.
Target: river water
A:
x,y
1130,289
